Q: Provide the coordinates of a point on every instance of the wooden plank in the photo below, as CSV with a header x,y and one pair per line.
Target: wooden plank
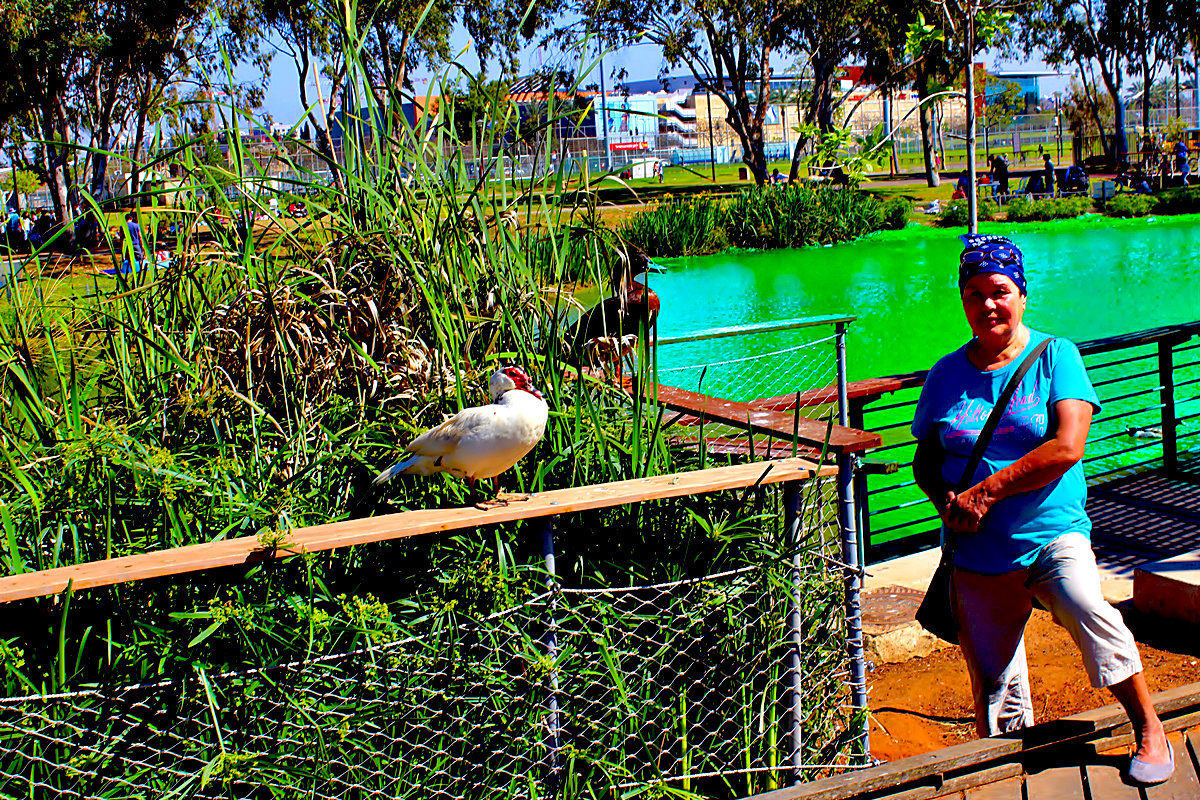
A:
x,y
1113,716
807,432
1057,783
1193,746
330,536
1123,736
955,786
866,390
1105,782
1184,784
1009,789
764,447
898,773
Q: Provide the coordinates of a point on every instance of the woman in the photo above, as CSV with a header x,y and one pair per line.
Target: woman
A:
x,y
1020,530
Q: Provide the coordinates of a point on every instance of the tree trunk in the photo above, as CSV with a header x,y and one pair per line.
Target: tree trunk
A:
x,y
891,101
135,153
939,131
58,172
931,173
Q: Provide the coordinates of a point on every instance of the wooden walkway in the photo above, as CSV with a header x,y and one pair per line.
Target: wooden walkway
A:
x,y
1145,517
1081,757
768,418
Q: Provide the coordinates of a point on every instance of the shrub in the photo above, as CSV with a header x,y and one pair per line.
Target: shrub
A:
x,y
680,227
796,216
955,214
895,213
1025,209
1179,201
1130,205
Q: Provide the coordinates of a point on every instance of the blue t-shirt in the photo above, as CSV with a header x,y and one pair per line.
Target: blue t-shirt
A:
x,y
956,402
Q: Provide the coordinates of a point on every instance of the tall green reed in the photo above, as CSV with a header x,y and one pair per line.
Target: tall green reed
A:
x,y
258,381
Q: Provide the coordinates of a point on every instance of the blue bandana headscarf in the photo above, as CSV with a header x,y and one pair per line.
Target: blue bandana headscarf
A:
x,y
987,253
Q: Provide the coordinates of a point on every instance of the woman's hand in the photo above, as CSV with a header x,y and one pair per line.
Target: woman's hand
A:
x,y
964,512
1041,466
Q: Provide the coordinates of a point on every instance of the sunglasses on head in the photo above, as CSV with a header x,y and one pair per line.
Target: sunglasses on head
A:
x,y
1003,255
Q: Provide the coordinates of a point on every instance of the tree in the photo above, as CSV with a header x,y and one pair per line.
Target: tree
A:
x,y
1105,40
20,182
727,45
1155,30
1001,104
69,66
827,32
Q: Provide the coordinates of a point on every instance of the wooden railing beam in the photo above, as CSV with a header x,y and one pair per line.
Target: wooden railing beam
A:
x,y
249,549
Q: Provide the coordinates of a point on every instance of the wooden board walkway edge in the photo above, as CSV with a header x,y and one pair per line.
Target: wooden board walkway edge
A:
x,y
250,550
910,777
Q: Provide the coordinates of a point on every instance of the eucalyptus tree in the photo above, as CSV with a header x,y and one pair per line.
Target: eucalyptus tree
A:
x,y
74,71
827,34
727,45
967,28
1094,37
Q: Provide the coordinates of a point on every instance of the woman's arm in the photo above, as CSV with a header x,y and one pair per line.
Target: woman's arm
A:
x,y
927,471
1041,466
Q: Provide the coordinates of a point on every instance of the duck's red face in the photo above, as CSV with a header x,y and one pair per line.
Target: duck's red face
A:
x,y
521,379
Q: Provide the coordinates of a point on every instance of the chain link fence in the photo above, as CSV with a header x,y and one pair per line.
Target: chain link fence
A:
x,y
718,686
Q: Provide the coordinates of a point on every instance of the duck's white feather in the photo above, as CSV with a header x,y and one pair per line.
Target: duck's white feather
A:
x,y
478,442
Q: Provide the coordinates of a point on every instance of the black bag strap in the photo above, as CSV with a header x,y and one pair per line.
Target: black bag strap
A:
x,y
993,421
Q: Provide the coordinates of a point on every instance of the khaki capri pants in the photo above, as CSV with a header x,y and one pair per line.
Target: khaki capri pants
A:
x,y
993,609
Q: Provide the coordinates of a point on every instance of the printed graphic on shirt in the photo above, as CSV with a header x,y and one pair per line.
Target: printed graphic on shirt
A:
x,y
1022,424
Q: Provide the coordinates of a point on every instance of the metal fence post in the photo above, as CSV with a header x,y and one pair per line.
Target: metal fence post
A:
x,y
553,720
1166,384
850,554
791,524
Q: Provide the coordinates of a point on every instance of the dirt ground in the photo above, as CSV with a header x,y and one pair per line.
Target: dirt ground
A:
x,y
925,703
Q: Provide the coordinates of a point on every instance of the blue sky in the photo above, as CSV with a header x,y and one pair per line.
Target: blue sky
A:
x,y
640,62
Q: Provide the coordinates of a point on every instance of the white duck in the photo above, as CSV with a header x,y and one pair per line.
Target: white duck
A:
x,y
483,441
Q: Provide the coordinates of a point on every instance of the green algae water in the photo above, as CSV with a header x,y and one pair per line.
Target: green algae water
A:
x,y
1088,278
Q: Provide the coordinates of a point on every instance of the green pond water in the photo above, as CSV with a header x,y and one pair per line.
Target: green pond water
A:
x,y
1088,278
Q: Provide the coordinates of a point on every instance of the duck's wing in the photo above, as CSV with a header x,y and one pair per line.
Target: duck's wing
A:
x,y
443,439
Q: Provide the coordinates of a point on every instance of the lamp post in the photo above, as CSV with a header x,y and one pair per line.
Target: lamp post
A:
x,y
972,199
1178,62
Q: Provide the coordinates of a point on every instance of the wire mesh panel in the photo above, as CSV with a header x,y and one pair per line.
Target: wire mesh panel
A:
x,y
758,362
686,684
790,367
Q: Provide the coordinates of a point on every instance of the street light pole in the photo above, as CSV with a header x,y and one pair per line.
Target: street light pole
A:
x,y
972,197
1178,61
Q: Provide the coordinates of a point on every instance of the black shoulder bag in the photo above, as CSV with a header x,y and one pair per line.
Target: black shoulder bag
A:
x,y
936,613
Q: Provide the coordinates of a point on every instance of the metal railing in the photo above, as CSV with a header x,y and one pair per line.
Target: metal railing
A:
x,y
1149,388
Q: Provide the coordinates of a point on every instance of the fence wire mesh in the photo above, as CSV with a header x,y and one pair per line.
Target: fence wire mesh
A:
x,y
599,692
766,367
752,365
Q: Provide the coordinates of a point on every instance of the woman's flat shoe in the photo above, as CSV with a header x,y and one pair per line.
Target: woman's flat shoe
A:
x,y
1147,774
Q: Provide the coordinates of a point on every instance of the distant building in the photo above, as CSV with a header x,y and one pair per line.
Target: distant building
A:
x,y
1028,80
